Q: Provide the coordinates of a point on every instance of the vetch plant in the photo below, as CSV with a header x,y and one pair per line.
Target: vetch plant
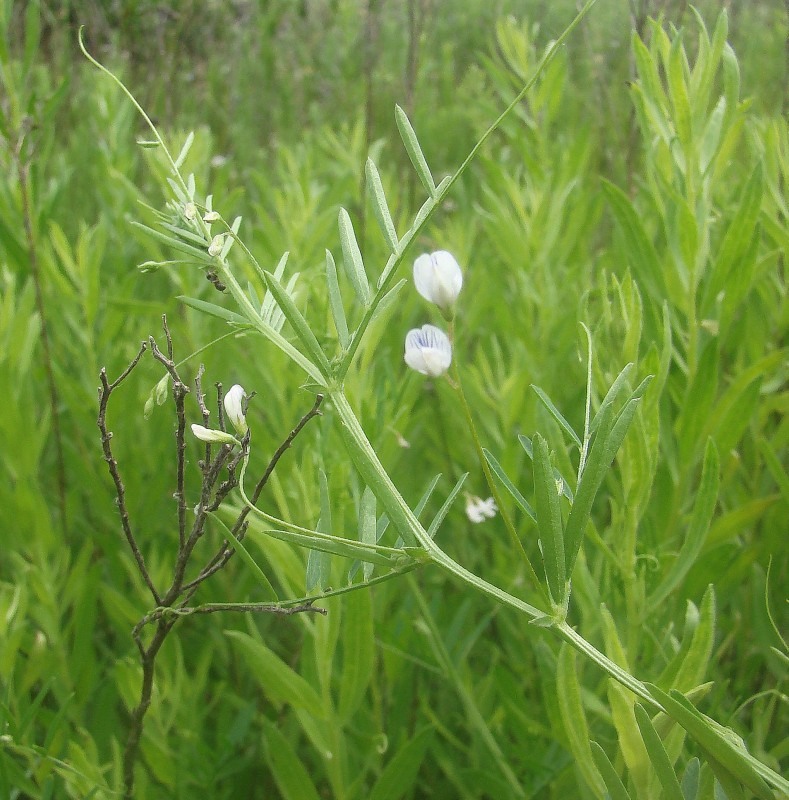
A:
x,y
220,475
392,539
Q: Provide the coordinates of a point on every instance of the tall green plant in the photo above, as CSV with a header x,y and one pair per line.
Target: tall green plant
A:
x,y
201,237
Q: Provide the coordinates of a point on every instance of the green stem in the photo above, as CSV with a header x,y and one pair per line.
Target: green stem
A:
x,y
396,259
404,519
493,486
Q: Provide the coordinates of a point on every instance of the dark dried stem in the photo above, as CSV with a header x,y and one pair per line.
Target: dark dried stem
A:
x,y
225,553
148,661
180,390
120,490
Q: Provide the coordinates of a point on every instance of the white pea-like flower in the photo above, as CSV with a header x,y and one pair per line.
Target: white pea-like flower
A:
x,y
211,216
234,408
212,436
478,510
438,278
428,350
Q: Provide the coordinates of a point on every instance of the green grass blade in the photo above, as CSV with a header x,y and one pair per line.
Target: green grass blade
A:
x,y
616,789
444,510
706,499
549,521
276,679
557,415
335,301
292,778
498,471
367,525
657,754
574,719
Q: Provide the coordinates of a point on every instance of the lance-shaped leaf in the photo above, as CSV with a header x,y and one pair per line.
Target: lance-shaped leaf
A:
x,y
549,520
215,311
367,526
386,301
610,434
719,744
299,324
185,150
352,258
328,544
704,506
335,301
383,524
374,480
526,444
574,719
657,754
318,572
268,590
269,303
414,151
557,415
198,255
380,207
613,783
498,471
606,409
444,510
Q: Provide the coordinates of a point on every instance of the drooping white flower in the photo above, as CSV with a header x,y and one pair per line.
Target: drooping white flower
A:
x,y
427,350
234,408
478,510
213,436
211,216
438,278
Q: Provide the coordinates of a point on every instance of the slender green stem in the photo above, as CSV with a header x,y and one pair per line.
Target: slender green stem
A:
x,y
316,536
404,518
396,259
272,335
140,111
493,486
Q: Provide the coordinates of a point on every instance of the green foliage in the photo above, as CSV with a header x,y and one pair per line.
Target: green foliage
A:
x,y
656,216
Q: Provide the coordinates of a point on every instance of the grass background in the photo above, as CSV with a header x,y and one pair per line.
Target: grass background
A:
x,y
586,206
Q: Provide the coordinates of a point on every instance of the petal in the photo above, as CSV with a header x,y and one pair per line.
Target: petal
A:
x,y
234,408
210,435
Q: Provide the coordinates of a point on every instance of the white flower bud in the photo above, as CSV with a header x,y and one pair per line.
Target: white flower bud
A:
x,y
211,216
212,436
190,211
438,278
427,350
217,243
234,408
